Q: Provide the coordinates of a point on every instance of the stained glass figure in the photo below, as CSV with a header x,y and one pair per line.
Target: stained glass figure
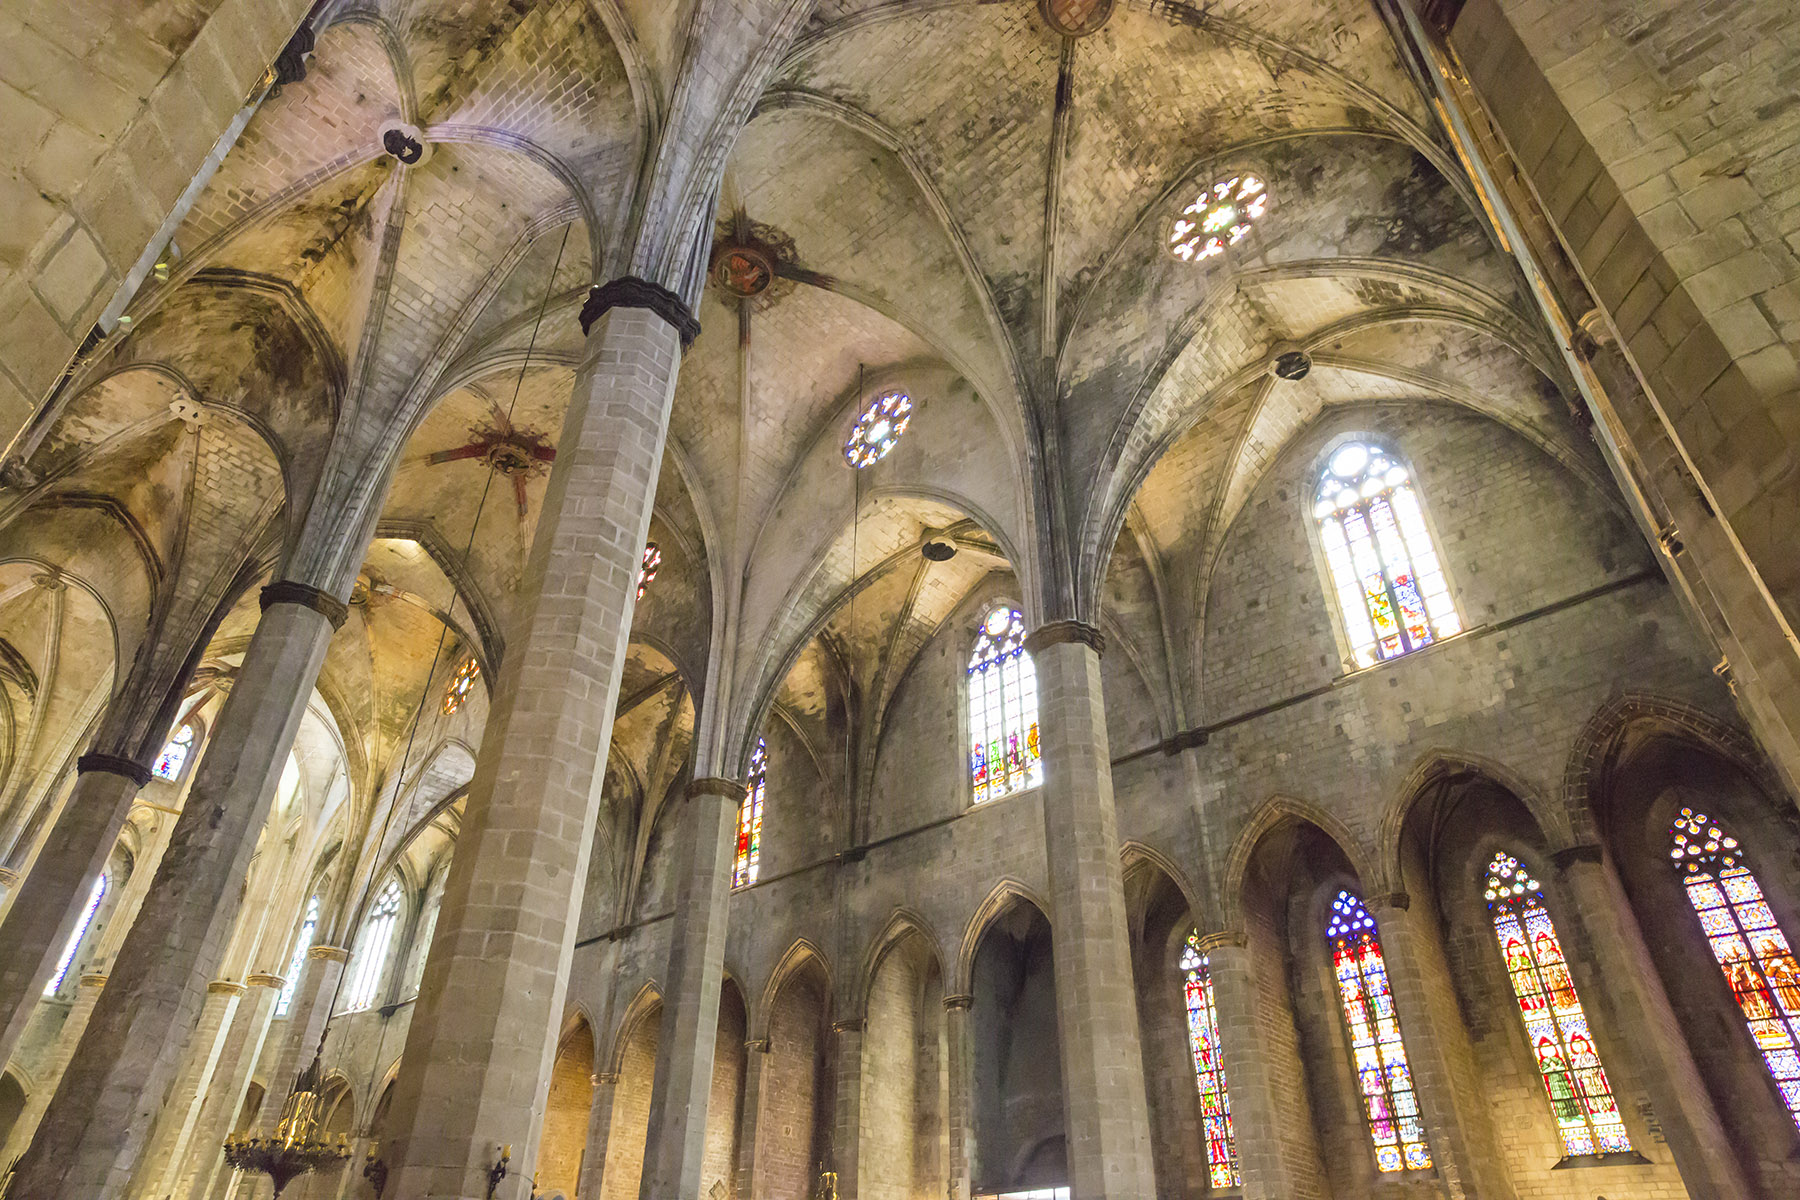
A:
x,y
1562,1044
461,684
750,818
174,756
879,427
1220,216
302,943
1209,1066
1003,708
1376,1051
1384,568
647,570
370,960
1751,948
67,959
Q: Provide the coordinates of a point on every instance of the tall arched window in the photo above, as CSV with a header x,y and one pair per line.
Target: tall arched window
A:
x,y
750,816
302,943
1752,950
372,948
1003,708
1581,1099
1384,568
174,756
1209,1066
1376,1051
67,959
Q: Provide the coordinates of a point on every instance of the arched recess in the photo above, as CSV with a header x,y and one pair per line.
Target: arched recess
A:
x,y
724,1113
1016,1101
13,1095
905,1078
566,1111
634,1063
794,1120
337,1116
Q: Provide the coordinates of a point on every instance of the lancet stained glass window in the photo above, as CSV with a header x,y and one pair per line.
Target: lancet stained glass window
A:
x,y
1209,1066
1376,1050
878,429
1220,216
648,568
750,817
174,756
371,955
302,943
1581,1099
1751,948
1384,568
1003,708
461,684
74,944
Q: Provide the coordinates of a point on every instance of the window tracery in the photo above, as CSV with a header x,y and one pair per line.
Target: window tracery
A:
x,y
1562,1044
302,943
173,759
371,957
67,959
1220,216
1751,948
1003,708
750,817
1385,572
878,429
1209,1065
647,569
1376,1051
461,684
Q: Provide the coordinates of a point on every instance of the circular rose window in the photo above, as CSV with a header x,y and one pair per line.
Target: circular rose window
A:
x,y
879,427
1220,216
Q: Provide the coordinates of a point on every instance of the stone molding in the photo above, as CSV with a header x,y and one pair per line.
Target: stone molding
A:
x,y
288,591
94,980
113,764
629,291
961,1001
708,785
1225,937
329,953
757,1045
1057,633
224,987
263,979
1568,856
605,1078
853,1025
1398,901
8,877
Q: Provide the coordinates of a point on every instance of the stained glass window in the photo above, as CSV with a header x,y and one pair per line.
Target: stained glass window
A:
x,y
1581,1099
1376,1050
1751,948
1384,567
81,927
879,427
174,756
1220,216
308,928
372,948
648,568
750,817
461,684
1209,1066
1003,709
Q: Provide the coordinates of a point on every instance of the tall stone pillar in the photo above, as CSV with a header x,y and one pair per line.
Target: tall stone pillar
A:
x,y
482,1040
593,1159
675,1146
1461,1141
175,1120
305,1026
1626,989
230,1081
847,1099
52,896
756,1062
1107,1113
66,1039
959,1055
96,1126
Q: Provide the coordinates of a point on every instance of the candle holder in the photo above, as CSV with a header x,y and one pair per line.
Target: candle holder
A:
x,y
297,1148
500,1170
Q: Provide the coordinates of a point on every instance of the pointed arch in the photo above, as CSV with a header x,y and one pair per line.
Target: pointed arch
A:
x,y
1276,813
1438,768
803,953
901,924
647,1002
1004,895
1133,854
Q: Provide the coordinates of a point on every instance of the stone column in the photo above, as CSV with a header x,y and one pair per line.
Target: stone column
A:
x,y
1462,1148
306,1018
95,1129
66,1038
231,1079
846,1135
52,896
756,1061
593,1159
1263,1119
482,1040
675,1147
959,1054
175,1120
1625,988
1107,1112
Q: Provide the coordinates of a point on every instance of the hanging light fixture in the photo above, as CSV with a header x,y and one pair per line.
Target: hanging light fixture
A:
x,y
297,1148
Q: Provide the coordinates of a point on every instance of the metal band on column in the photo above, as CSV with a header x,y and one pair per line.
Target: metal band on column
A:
x,y
287,591
1056,633
113,764
629,291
